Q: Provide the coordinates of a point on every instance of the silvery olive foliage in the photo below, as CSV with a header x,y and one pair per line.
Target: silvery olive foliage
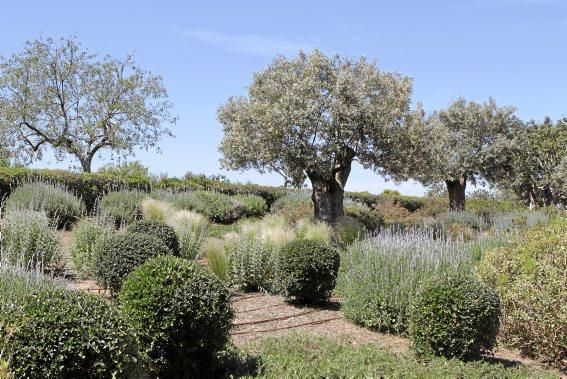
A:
x,y
312,115
464,140
58,94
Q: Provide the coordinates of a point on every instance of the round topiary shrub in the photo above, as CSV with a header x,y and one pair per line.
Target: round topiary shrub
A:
x,y
182,314
308,270
454,317
58,333
121,254
157,229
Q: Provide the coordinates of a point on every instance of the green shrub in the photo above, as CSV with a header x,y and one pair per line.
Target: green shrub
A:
x,y
380,275
121,254
217,207
370,218
349,229
28,239
251,263
294,206
159,230
60,205
182,314
254,205
52,332
308,271
87,186
121,207
89,235
531,278
454,317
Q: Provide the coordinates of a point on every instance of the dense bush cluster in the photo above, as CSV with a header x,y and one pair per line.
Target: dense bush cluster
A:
x,y
181,312
531,277
254,205
454,317
28,239
308,271
380,275
121,254
217,207
51,332
159,230
370,218
60,205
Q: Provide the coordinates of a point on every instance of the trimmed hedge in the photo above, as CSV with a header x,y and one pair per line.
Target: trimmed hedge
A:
x,y
182,314
88,186
52,332
308,271
454,317
159,230
121,254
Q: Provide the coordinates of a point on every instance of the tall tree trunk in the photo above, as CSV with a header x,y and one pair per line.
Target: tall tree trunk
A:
x,y
456,189
328,193
86,163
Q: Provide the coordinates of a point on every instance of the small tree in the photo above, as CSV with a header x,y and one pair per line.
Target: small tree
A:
x,y
62,96
313,116
464,143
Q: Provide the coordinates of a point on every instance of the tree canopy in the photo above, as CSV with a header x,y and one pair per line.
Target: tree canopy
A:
x,y
312,116
58,94
467,141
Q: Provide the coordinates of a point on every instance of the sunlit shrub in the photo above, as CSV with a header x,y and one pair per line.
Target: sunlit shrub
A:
x,y
121,207
89,236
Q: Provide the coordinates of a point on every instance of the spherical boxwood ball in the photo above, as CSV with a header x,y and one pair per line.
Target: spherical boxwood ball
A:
x,y
182,312
157,229
121,254
308,271
454,317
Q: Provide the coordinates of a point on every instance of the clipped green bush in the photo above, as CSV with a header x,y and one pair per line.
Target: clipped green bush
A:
x,y
121,207
159,230
121,254
52,332
531,278
28,239
182,314
254,205
216,206
454,317
60,205
308,271
89,236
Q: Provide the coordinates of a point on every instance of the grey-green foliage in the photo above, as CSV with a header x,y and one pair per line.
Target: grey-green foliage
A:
x,y
89,236
58,94
254,205
28,238
380,275
322,112
121,207
216,206
251,264
59,204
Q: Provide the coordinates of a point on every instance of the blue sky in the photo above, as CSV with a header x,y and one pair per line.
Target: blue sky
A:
x,y
513,50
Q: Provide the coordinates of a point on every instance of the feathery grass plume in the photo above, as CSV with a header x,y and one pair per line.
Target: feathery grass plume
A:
x,y
89,236
215,252
313,230
379,275
192,230
59,204
156,210
28,239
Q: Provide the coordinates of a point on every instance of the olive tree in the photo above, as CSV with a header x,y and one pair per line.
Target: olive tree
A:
x,y
467,142
313,116
58,94
538,163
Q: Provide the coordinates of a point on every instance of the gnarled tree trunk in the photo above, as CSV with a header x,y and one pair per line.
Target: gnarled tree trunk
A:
x,y
328,193
456,189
